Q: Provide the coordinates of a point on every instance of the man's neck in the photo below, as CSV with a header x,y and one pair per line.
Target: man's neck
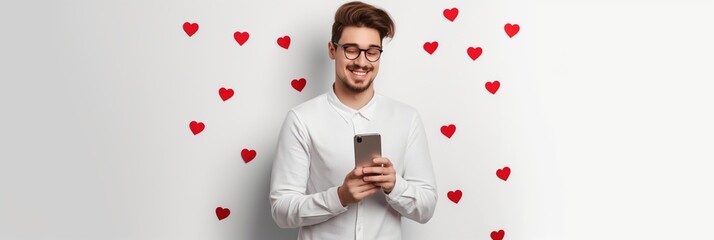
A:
x,y
351,99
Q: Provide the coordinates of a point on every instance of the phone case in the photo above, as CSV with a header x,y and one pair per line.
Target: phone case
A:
x,y
367,147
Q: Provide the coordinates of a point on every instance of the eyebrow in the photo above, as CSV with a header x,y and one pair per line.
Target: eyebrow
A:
x,y
354,44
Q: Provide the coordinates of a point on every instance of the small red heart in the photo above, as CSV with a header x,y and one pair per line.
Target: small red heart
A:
x,y
449,130
503,173
511,30
196,127
298,84
284,42
498,235
247,155
474,53
493,86
241,37
451,13
190,28
430,47
225,93
222,213
454,196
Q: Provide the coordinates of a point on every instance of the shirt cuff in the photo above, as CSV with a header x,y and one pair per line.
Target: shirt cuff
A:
x,y
333,201
400,186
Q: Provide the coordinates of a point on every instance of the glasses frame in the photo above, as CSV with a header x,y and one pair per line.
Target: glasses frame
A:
x,y
344,49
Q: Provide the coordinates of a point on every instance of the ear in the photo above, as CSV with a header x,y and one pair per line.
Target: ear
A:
x,y
331,50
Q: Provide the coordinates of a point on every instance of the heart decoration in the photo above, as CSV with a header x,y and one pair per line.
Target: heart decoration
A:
x,y
503,173
298,84
474,52
190,28
451,13
248,155
196,127
449,130
241,37
511,30
454,196
222,213
492,87
498,235
225,93
284,42
430,47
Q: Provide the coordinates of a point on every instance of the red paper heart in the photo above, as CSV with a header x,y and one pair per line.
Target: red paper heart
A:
x,y
241,37
493,86
503,173
225,93
454,196
451,13
511,30
449,130
196,127
284,42
222,213
190,28
248,155
298,84
430,47
498,235
474,53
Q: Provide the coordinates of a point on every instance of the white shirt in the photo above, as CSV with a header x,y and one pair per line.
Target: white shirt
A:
x,y
315,153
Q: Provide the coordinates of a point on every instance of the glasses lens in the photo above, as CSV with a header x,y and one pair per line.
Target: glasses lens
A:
x,y
352,52
373,54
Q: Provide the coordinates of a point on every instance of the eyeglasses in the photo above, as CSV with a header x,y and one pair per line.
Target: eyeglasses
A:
x,y
352,52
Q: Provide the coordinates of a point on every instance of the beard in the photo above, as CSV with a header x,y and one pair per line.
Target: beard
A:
x,y
356,89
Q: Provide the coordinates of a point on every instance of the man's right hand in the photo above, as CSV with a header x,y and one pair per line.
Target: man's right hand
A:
x,y
354,189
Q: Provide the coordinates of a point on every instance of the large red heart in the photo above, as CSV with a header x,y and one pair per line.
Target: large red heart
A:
x,y
454,196
298,84
248,155
430,47
498,235
474,53
241,37
222,213
225,93
451,13
511,30
284,42
503,173
493,86
196,127
190,28
449,130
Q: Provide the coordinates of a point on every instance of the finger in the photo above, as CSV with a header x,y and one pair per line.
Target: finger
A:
x,y
367,193
382,161
357,172
378,179
376,171
363,188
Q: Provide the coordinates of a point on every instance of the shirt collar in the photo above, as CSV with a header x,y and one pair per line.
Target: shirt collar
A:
x,y
346,112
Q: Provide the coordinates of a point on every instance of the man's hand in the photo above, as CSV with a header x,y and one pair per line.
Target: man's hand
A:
x,y
354,189
381,173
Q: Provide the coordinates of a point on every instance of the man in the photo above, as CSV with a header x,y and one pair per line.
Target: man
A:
x,y
315,184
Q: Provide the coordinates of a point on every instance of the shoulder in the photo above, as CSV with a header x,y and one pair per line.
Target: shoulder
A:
x,y
397,107
317,103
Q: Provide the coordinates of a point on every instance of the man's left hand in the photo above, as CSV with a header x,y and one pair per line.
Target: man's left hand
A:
x,y
381,173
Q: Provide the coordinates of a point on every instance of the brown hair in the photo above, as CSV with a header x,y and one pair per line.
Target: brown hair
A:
x,y
359,14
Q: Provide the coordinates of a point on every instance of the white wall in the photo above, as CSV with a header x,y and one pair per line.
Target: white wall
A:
x,y
604,115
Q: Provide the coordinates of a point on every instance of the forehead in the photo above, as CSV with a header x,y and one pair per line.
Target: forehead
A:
x,y
362,36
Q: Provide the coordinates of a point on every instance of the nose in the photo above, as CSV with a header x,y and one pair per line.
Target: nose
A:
x,y
362,59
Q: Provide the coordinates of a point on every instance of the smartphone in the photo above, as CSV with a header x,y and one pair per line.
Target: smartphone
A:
x,y
368,146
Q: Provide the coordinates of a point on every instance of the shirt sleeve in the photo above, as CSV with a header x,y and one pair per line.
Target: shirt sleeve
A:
x,y
291,207
414,193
